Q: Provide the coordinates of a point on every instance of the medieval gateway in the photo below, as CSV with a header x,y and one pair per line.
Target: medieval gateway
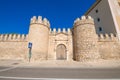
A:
x,y
93,36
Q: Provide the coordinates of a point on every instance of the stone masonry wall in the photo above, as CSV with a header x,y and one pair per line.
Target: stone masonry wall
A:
x,y
85,39
57,37
82,43
13,46
39,37
109,46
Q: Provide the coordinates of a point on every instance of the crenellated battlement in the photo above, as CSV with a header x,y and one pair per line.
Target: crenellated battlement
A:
x,y
107,37
90,39
59,30
39,20
84,20
13,37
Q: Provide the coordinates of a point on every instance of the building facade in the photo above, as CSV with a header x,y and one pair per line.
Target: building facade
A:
x,y
89,39
106,14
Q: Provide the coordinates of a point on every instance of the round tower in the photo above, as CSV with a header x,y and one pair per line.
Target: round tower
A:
x,y
85,39
39,37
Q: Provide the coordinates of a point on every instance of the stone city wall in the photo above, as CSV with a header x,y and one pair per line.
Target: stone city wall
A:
x,y
39,36
85,39
82,43
109,46
59,30
13,46
58,37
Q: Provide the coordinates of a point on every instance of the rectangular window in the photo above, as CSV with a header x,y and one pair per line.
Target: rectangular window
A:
x,y
100,29
98,19
96,10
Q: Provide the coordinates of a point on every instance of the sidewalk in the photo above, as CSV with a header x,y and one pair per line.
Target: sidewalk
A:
x,y
62,64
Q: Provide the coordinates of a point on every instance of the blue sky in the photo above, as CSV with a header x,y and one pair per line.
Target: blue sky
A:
x,y
15,14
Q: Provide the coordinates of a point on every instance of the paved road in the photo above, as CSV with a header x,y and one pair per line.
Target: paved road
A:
x,y
67,73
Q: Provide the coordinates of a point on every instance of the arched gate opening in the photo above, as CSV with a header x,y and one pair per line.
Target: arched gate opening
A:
x,y
61,52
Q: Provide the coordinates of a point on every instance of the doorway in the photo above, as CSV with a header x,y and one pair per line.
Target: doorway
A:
x,y
61,53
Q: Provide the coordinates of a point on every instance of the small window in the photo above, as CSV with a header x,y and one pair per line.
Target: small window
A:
x,y
96,10
98,19
100,29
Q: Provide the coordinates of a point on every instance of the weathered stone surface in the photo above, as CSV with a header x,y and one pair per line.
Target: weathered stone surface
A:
x,y
85,40
39,37
80,43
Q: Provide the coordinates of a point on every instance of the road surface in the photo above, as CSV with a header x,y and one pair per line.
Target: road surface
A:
x,y
17,73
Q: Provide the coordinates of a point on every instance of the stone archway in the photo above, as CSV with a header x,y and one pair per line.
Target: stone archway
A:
x,y
61,53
